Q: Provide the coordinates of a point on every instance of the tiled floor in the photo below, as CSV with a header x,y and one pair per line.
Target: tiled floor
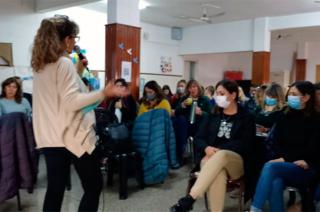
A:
x,y
156,198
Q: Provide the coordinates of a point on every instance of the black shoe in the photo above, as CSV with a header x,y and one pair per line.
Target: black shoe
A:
x,y
184,204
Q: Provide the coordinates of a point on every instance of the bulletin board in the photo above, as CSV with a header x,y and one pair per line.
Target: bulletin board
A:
x,y
6,54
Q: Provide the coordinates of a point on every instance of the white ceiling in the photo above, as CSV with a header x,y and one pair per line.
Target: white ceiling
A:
x,y
167,12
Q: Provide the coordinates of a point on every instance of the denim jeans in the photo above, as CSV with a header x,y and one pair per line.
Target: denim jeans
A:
x,y
274,178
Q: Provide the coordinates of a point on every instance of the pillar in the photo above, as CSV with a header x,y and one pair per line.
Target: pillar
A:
x,y
123,43
261,52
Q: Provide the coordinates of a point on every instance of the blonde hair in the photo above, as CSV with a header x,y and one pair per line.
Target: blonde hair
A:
x,y
242,96
48,42
276,91
260,95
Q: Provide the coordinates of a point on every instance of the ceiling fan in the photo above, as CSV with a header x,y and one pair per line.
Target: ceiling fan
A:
x,y
205,18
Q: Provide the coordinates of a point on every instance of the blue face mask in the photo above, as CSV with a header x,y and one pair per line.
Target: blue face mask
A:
x,y
151,97
270,101
294,102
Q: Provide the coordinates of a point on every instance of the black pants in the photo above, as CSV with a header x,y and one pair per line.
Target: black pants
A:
x,y
58,161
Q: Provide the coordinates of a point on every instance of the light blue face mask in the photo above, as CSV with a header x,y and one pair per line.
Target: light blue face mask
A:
x,y
294,102
270,101
151,97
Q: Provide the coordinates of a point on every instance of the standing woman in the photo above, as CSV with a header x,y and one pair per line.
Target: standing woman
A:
x,y
63,131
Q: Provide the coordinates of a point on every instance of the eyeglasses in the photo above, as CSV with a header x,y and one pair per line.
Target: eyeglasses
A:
x,y
76,38
61,16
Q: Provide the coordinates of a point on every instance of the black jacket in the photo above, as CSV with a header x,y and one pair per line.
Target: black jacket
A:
x,y
242,133
296,137
203,103
242,141
129,109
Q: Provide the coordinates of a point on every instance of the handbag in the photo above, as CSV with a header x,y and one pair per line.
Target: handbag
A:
x,y
117,131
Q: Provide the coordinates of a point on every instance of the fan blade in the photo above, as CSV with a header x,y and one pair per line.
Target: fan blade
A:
x,y
211,5
196,20
217,15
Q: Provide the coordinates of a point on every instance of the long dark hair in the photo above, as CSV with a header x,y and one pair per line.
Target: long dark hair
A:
x,y
232,87
122,81
153,85
166,87
18,96
305,88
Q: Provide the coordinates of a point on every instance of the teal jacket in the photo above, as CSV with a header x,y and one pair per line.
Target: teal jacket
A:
x,y
154,138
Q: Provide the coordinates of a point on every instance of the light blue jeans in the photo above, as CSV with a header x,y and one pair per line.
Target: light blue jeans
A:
x,y
274,178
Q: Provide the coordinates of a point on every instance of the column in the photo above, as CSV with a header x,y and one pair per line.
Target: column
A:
x,y
301,61
261,51
123,43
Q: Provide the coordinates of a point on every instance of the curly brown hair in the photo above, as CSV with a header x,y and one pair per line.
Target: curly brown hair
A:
x,y
48,42
18,96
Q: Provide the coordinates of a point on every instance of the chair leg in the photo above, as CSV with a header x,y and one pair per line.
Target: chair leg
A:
x,y
19,201
241,197
206,201
139,170
110,171
292,198
191,147
68,182
307,198
123,175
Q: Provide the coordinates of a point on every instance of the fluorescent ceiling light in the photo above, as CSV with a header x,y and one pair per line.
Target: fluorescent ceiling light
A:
x,y
143,4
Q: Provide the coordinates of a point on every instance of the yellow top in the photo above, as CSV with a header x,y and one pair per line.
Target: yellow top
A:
x,y
164,104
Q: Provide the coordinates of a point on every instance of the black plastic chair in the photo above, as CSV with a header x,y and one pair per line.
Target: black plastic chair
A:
x,y
117,154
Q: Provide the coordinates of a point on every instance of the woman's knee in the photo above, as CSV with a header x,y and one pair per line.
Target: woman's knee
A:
x,y
222,155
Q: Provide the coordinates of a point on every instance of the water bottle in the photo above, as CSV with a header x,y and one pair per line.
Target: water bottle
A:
x,y
193,112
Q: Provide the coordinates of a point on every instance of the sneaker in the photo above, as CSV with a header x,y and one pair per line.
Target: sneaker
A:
x,y
184,204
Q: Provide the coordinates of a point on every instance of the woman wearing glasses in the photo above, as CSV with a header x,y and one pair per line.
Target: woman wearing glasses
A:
x,y
63,126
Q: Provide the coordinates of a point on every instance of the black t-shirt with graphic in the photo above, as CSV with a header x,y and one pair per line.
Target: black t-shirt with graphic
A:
x,y
224,129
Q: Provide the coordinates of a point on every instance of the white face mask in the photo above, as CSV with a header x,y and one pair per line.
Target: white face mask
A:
x,y
222,101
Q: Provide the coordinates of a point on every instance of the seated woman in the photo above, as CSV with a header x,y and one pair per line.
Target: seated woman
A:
x,y
317,97
180,93
295,142
186,121
153,98
194,94
223,140
167,92
11,99
209,92
267,114
259,95
125,108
